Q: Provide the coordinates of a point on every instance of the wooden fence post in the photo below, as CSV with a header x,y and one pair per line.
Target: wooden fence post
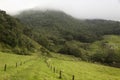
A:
x,y
5,67
54,69
60,76
16,65
73,77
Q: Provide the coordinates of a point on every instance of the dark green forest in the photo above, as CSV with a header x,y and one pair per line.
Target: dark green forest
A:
x,y
12,37
58,27
59,32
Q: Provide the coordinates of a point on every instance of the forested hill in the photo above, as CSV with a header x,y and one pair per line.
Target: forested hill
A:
x,y
66,27
12,38
58,27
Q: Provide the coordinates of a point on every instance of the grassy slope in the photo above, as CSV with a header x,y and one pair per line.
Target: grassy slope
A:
x,y
112,40
83,70
11,60
87,71
36,69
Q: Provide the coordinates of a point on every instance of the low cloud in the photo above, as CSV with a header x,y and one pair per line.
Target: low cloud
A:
x,y
90,9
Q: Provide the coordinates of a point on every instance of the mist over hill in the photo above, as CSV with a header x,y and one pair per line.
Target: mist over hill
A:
x,y
59,27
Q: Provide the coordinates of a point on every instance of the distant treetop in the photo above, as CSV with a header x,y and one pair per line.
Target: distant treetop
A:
x,y
3,12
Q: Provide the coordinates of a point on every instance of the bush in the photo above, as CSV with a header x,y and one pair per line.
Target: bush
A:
x,y
99,57
107,57
71,49
17,50
21,51
112,57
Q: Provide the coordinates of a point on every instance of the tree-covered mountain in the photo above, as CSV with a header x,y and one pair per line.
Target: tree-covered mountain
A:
x,y
12,37
56,27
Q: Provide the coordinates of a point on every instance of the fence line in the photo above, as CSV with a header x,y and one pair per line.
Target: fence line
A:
x,y
55,70
6,66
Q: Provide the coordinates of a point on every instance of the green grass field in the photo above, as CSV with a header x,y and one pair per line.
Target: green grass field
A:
x,y
35,68
112,41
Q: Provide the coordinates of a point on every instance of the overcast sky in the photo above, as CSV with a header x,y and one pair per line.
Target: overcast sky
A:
x,y
90,9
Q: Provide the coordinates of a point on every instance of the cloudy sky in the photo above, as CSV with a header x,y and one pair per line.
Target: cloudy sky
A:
x,y
90,9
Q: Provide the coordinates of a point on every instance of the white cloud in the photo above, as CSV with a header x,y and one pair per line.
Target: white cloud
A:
x,y
104,9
